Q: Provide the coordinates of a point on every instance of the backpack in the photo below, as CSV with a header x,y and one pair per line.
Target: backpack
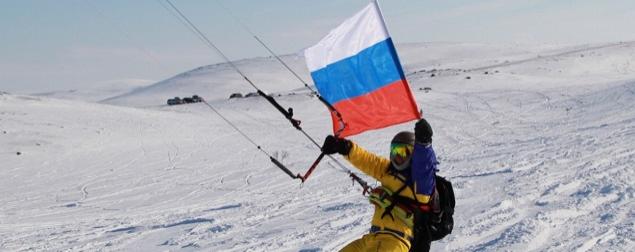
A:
x,y
427,224
432,226
442,224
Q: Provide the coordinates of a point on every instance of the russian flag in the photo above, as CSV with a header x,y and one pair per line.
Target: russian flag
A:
x,y
356,69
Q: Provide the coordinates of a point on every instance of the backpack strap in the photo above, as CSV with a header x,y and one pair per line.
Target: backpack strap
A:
x,y
393,203
407,181
400,200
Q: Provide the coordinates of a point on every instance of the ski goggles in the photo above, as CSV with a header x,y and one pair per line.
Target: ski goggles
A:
x,y
401,150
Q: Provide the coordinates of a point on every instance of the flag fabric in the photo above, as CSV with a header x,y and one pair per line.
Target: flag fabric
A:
x,y
356,69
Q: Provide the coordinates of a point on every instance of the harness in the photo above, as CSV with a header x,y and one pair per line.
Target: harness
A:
x,y
394,205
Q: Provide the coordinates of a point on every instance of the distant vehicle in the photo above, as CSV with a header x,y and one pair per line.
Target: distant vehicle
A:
x,y
235,95
252,94
175,101
178,101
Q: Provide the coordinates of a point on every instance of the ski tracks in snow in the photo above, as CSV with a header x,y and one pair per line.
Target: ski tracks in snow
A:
x,y
523,216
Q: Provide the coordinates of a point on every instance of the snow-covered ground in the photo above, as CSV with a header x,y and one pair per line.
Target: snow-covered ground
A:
x,y
539,143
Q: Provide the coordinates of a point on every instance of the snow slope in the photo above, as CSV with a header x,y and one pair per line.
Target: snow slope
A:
x,y
540,151
216,82
99,91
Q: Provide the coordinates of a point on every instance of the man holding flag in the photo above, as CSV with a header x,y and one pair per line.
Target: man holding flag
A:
x,y
356,70
402,199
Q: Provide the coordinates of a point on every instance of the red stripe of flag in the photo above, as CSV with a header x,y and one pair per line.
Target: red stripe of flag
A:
x,y
386,106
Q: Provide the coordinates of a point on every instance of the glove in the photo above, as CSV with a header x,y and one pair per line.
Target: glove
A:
x,y
334,145
423,132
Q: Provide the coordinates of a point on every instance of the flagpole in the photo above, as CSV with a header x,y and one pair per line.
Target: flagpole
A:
x,y
381,15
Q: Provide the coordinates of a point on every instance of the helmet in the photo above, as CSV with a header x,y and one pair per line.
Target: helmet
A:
x,y
404,137
401,148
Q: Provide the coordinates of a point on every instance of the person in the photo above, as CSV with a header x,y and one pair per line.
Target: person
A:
x,y
407,186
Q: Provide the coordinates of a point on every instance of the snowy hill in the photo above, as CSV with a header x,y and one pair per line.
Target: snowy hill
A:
x,y
218,82
540,151
99,91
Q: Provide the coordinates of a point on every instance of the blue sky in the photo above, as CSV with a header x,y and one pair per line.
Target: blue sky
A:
x,y
78,44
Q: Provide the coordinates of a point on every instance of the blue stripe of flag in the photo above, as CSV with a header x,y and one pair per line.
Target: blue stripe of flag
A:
x,y
369,70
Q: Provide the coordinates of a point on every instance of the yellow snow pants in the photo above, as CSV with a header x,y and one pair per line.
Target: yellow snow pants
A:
x,y
377,242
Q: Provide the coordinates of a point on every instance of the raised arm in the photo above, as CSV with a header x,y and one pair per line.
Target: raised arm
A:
x,y
368,162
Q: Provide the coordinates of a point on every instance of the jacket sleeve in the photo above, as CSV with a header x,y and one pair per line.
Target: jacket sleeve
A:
x,y
367,162
424,167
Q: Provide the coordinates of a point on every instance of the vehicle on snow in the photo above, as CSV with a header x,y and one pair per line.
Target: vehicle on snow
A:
x,y
235,95
178,101
252,94
175,101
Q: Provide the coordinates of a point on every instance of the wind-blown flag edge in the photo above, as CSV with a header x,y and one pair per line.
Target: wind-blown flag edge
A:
x,y
363,81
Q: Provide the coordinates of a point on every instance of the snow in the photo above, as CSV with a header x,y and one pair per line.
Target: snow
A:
x,y
99,91
540,151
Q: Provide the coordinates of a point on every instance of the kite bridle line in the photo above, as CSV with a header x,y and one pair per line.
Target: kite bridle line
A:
x,y
288,113
273,159
330,107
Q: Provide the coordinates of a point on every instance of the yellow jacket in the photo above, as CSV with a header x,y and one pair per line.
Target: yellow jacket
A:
x,y
377,167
